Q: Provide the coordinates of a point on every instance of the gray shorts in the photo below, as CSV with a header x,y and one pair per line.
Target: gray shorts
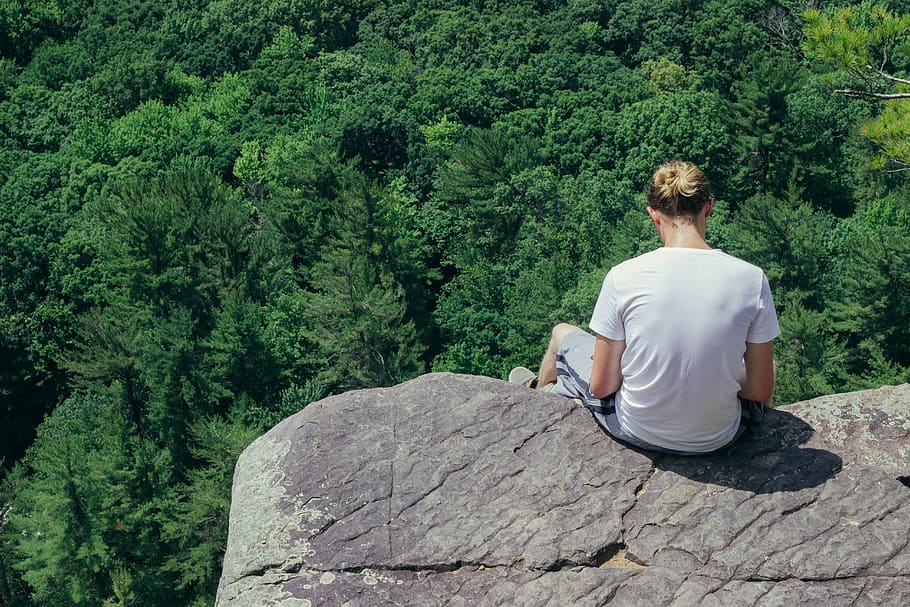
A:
x,y
573,372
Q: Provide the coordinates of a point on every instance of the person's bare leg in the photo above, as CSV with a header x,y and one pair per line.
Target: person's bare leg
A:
x,y
547,373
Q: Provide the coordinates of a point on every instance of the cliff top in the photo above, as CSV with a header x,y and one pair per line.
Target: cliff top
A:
x,y
452,489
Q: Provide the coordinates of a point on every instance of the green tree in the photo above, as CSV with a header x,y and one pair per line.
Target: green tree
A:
x,y
469,315
24,24
871,45
291,97
477,194
204,124
87,508
870,302
684,124
36,212
194,517
184,262
763,136
298,179
238,362
360,312
665,76
13,591
828,156
725,37
810,356
788,239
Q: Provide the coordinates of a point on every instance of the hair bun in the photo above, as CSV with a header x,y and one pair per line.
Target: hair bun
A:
x,y
678,188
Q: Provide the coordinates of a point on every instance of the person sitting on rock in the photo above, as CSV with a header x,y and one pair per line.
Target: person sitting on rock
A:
x,y
682,360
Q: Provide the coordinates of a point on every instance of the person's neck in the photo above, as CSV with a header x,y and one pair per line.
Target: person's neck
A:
x,y
684,235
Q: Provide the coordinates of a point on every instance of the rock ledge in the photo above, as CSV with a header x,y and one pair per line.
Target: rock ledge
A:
x,y
461,490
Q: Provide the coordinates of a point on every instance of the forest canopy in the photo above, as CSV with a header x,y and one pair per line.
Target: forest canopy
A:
x,y
213,213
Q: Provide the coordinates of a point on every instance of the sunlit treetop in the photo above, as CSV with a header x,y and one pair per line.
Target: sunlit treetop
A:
x,y
868,41
872,46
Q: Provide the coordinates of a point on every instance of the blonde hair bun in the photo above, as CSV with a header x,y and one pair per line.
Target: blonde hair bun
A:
x,y
678,188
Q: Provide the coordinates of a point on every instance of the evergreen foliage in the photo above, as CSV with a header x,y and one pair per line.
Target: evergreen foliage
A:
x,y
215,213
871,46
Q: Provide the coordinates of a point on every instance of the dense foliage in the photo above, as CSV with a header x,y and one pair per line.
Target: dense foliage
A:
x,y
213,213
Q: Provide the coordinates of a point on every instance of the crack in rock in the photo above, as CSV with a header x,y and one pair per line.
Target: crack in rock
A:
x,y
799,507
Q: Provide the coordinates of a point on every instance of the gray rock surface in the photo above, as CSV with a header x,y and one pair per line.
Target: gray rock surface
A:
x,y
456,490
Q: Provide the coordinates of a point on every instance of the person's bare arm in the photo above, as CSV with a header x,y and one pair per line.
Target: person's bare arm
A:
x,y
758,382
606,373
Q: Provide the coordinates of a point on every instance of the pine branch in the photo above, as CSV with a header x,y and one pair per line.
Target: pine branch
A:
x,y
871,95
886,76
902,166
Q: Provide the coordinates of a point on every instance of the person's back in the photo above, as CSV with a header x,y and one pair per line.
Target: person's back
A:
x,y
686,316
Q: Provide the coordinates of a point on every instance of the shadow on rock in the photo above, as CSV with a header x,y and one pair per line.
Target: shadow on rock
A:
x,y
768,460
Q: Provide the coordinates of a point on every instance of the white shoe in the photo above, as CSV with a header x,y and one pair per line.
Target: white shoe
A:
x,y
523,376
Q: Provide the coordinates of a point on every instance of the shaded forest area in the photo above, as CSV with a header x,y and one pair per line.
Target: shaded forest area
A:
x,y
213,213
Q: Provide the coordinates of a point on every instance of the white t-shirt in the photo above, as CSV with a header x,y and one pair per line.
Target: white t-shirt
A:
x,y
686,315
